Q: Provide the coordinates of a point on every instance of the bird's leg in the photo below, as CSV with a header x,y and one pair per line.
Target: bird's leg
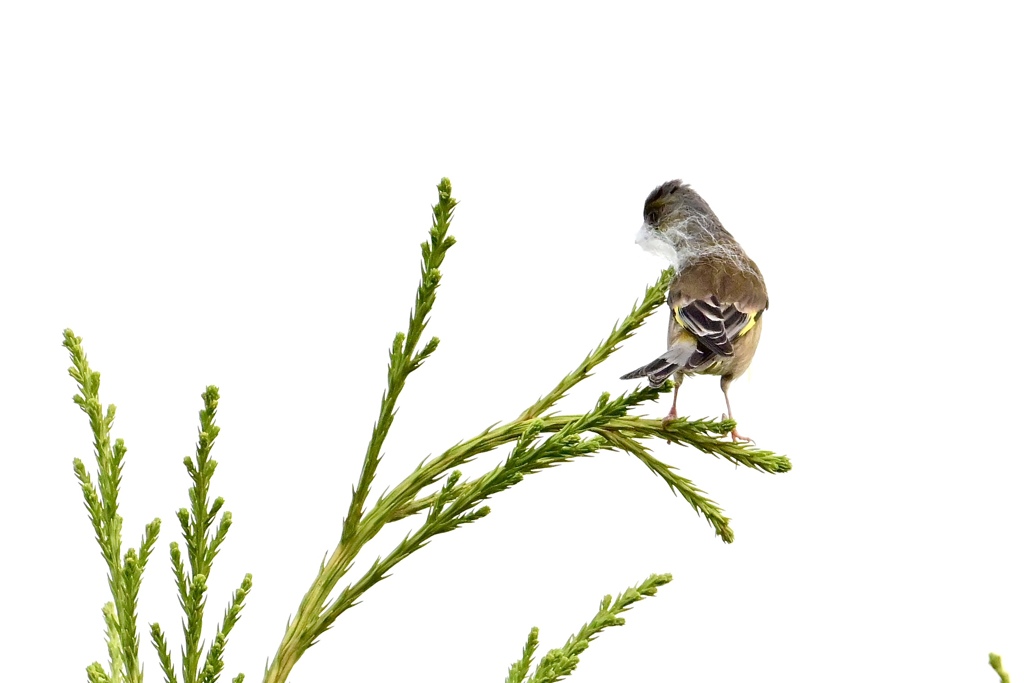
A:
x,y
736,436
672,413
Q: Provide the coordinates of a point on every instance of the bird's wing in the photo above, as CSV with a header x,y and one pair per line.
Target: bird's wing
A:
x,y
713,325
705,320
716,303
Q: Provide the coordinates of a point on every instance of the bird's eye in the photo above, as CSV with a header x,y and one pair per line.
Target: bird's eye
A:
x,y
651,217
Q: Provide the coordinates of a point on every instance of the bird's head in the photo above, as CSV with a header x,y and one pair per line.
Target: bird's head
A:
x,y
678,223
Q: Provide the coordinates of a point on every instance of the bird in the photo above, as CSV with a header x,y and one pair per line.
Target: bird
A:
x,y
716,299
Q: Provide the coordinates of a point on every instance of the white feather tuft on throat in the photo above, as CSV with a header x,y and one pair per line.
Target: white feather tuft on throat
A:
x,y
681,242
654,242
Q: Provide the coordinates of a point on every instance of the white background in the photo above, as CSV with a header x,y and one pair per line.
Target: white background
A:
x,y
235,194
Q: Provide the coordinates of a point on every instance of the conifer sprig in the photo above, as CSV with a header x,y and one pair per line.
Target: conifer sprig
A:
x,y
560,662
405,358
520,669
313,616
996,662
202,543
125,571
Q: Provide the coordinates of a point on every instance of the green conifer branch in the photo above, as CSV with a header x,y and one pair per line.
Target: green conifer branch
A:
x,y
115,648
95,673
560,662
180,580
628,430
202,544
404,358
679,485
996,662
215,655
163,652
520,669
124,575
125,572
441,519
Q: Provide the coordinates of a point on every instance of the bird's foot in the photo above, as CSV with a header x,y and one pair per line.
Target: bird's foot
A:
x,y
670,417
736,436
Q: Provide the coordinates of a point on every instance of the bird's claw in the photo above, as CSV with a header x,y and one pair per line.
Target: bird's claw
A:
x,y
668,419
736,436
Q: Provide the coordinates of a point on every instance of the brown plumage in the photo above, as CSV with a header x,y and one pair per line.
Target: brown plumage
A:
x,y
716,299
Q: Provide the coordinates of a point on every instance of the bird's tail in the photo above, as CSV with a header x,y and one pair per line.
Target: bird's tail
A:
x,y
656,371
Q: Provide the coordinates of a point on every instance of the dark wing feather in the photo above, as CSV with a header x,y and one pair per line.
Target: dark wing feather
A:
x,y
706,320
736,320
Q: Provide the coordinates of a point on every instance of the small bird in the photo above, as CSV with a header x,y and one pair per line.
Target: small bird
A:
x,y
715,300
